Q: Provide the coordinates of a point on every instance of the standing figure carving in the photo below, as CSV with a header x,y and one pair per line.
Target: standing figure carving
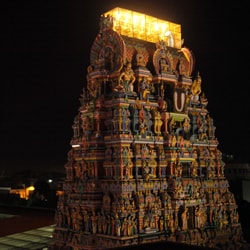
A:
x,y
127,78
195,89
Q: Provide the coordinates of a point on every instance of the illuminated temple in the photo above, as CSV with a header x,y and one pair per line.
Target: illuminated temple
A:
x,y
144,165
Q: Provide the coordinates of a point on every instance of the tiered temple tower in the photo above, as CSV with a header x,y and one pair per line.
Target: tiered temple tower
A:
x,y
144,164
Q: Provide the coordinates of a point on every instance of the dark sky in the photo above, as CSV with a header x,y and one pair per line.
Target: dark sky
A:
x,y
45,48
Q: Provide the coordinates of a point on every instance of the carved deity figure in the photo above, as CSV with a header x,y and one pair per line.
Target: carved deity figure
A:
x,y
195,89
184,218
127,78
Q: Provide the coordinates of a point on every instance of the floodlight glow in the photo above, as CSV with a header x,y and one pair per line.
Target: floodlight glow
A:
x,y
141,26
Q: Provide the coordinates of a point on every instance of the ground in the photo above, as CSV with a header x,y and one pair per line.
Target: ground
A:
x,y
18,219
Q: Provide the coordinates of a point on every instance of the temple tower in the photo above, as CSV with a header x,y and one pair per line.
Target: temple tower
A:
x,y
144,164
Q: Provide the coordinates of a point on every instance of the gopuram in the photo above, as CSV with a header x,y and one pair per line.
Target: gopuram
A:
x,y
144,164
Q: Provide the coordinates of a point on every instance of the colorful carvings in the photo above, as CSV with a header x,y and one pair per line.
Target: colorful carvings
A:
x,y
144,164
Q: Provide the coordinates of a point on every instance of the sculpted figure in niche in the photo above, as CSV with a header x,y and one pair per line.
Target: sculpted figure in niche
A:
x,y
196,89
171,223
140,60
186,125
162,103
184,218
144,88
163,64
127,78
178,169
92,84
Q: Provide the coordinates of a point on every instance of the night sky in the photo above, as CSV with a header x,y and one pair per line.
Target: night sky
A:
x,y
45,48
